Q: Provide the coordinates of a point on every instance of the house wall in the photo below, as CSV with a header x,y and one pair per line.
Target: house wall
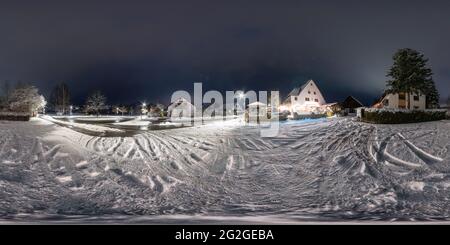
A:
x,y
185,109
394,102
300,104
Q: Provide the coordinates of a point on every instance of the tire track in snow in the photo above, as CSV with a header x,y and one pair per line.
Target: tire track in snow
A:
x,y
426,157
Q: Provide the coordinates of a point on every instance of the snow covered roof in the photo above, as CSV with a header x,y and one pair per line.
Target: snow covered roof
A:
x,y
257,103
351,102
296,91
179,102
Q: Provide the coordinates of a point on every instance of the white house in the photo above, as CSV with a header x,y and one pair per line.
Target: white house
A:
x,y
181,108
400,101
256,112
306,99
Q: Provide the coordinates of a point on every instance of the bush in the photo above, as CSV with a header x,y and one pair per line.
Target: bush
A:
x,y
383,116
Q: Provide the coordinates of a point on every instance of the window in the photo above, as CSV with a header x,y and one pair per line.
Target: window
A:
x,y
314,92
295,98
386,102
401,96
309,92
416,107
316,100
416,97
307,99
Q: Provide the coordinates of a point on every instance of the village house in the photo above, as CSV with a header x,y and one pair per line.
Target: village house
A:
x,y
400,101
181,108
306,99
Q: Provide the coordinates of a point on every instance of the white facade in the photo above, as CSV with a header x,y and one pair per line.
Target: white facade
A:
x,y
181,109
400,101
305,100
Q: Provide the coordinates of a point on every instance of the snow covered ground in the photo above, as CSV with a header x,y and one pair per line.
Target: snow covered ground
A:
x,y
325,170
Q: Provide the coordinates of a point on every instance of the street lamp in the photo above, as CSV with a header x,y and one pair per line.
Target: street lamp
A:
x,y
144,105
71,108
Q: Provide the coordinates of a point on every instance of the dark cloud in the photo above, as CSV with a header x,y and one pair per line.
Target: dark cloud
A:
x,y
136,50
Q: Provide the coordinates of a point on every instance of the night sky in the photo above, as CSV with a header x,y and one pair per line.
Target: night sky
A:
x,y
145,50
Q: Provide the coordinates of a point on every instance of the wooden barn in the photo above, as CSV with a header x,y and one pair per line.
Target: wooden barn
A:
x,y
349,105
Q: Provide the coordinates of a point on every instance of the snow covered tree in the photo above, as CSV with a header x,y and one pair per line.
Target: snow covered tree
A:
x,y
95,103
410,74
26,99
432,94
60,98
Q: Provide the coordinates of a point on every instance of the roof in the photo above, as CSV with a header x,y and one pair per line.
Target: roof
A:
x,y
351,102
179,101
297,90
257,103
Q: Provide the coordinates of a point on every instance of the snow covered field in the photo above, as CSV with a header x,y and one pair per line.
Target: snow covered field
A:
x,y
323,170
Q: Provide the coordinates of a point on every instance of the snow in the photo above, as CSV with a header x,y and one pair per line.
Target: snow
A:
x,y
135,122
416,186
323,170
88,128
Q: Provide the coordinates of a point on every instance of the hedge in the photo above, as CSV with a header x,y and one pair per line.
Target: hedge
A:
x,y
14,116
308,116
405,116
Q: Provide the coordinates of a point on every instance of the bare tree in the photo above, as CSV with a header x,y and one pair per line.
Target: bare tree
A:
x,y
60,98
4,95
95,103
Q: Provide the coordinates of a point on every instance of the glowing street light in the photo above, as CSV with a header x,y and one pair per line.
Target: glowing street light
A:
x,y
144,110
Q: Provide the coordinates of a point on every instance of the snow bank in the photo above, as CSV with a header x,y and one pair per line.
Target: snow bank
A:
x,y
84,127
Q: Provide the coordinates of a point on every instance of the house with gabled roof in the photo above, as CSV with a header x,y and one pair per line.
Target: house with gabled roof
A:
x,y
350,104
181,108
411,101
305,99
